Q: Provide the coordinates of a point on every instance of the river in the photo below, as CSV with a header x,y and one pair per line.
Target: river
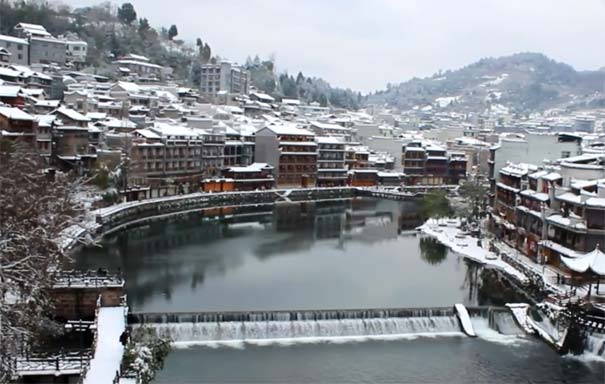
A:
x,y
359,253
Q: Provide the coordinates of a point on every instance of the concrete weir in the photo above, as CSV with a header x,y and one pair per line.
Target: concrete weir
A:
x,y
203,327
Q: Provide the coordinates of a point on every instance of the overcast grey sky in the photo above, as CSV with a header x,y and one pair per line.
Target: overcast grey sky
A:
x,y
364,44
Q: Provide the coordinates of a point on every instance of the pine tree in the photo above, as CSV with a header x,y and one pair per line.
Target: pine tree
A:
x,y
172,32
126,13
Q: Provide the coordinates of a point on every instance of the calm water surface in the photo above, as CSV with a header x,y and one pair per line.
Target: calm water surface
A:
x,y
424,360
350,254
292,256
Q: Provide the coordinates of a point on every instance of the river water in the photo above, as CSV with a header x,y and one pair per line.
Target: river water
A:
x,y
332,255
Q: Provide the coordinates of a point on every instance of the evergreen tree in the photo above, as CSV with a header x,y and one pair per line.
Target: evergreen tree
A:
x,y
126,13
172,32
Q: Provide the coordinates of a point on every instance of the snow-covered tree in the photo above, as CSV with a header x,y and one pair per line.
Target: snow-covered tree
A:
x,y
34,209
145,354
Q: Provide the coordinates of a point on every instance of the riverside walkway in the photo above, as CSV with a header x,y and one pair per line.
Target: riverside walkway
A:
x,y
108,352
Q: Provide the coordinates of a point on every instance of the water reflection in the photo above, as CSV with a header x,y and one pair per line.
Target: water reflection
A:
x,y
342,254
432,251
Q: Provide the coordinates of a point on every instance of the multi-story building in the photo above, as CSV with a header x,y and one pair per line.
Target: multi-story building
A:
x,y
166,153
256,176
212,152
291,150
331,168
428,164
546,215
512,179
328,129
75,50
17,47
223,77
18,125
43,47
239,149
138,65
357,157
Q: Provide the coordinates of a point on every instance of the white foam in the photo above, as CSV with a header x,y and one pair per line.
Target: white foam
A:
x,y
484,332
240,344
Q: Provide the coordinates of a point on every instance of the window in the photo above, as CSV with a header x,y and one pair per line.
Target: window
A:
x,y
565,154
8,45
20,47
20,56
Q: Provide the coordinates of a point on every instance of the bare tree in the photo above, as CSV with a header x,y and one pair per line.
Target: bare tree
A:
x,y
34,210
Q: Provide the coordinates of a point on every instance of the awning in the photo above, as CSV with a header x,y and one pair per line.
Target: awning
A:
x,y
593,261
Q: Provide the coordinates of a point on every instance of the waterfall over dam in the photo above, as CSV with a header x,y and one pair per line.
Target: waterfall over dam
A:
x,y
316,324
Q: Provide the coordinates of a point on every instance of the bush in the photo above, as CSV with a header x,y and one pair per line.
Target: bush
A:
x,y
145,354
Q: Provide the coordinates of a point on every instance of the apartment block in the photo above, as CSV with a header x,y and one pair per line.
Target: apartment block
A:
x,y
223,77
428,164
292,151
331,167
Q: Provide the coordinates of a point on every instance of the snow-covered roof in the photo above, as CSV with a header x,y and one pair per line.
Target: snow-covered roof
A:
x,y
128,86
45,120
508,188
518,169
48,103
165,129
33,29
117,123
147,133
329,126
290,101
570,198
9,90
13,39
137,62
593,261
390,174
254,167
96,115
537,175
536,195
288,129
552,176
567,222
15,114
299,143
72,114
9,72
328,140
263,96
596,202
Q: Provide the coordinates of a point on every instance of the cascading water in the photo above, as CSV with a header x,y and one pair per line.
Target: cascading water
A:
x,y
595,345
502,321
232,326
493,324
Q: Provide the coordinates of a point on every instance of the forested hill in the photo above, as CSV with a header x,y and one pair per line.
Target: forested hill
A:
x,y
112,31
309,89
519,83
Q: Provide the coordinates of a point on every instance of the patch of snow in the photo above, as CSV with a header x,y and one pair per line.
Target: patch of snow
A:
x,y
109,350
465,320
470,250
443,102
519,311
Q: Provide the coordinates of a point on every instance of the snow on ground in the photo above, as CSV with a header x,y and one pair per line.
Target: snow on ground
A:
x,y
109,350
446,230
443,102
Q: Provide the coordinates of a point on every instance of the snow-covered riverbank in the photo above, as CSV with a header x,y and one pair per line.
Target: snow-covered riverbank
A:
x,y
446,231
